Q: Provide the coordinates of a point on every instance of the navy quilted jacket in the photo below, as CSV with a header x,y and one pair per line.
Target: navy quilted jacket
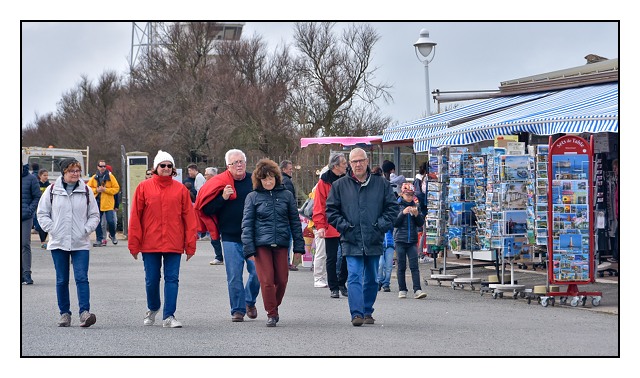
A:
x,y
30,193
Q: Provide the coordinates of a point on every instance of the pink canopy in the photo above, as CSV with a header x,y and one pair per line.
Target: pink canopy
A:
x,y
345,141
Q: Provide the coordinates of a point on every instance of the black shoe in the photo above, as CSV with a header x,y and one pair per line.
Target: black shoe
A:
x,y
386,289
344,291
335,294
26,279
379,286
271,322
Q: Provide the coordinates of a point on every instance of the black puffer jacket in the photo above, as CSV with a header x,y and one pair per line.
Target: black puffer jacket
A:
x,y
29,194
362,213
406,226
268,216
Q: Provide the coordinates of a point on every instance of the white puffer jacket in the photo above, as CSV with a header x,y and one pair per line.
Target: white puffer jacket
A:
x,y
68,219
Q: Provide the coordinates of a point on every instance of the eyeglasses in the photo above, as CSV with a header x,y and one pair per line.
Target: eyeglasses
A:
x,y
359,161
237,162
163,165
102,166
149,173
75,171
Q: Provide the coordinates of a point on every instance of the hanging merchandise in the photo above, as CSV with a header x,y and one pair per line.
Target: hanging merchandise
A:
x,y
570,241
436,217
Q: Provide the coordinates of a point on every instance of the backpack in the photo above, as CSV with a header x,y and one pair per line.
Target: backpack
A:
x,y
307,208
86,192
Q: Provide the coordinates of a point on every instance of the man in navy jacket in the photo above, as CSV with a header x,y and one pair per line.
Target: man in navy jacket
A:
x,y
362,207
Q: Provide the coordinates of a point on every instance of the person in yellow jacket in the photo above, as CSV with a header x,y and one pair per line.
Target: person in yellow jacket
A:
x,y
105,187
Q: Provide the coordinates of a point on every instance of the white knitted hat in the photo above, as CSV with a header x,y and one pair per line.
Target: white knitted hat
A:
x,y
162,156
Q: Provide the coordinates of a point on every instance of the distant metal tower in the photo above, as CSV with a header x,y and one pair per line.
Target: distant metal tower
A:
x,y
144,39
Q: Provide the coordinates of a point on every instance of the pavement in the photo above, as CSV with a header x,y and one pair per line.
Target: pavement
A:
x,y
460,322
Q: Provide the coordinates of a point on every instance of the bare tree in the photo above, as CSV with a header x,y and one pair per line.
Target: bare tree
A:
x,y
336,83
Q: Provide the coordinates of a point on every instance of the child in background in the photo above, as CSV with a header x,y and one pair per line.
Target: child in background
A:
x,y
405,235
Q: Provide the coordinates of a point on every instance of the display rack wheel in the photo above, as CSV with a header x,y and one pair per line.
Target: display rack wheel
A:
x,y
426,283
539,299
544,301
473,288
595,301
574,301
563,300
461,287
528,300
439,283
501,294
453,285
515,295
584,300
523,294
553,301
600,274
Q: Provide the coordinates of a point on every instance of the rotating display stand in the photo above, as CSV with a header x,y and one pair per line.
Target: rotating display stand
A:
x,y
570,241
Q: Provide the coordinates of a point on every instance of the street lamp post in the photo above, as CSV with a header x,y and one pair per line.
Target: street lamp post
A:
x,y
424,48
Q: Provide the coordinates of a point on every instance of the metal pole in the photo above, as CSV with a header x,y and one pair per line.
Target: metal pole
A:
x,y
426,81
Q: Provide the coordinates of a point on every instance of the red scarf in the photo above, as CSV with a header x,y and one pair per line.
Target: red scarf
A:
x,y
210,190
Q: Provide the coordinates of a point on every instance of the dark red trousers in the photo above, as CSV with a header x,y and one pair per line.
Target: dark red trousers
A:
x,y
272,267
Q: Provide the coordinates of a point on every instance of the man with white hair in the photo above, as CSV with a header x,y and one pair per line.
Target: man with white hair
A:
x,y
220,205
362,207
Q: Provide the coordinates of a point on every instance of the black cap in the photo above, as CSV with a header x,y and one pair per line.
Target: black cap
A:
x,y
65,163
388,166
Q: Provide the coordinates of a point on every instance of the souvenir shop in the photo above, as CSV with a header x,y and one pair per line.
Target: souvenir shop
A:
x,y
513,178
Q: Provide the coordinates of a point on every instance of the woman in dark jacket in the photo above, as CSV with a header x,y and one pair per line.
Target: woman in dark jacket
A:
x,y
270,217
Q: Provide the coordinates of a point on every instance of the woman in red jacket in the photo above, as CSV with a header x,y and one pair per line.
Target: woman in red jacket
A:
x,y
162,227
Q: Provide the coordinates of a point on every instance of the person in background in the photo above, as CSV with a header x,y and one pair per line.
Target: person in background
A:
x,y
420,185
362,207
192,195
269,222
389,172
105,186
220,205
69,213
35,169
286,167
195,177
148,174
320,257
116,205
29,195
324,230
615,166
385,265
405,235
209,173
43,180
162,227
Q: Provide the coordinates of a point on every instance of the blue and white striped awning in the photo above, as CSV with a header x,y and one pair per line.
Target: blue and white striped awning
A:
x,y
436,122
589,109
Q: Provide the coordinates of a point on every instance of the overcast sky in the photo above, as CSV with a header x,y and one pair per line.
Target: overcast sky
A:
x,y
469,56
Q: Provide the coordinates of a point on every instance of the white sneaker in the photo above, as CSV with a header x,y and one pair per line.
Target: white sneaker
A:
x,y
419,294
150,318
216,262
320,284
402,294
171,322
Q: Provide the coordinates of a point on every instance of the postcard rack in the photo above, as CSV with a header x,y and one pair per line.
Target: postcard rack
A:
x,y
570,242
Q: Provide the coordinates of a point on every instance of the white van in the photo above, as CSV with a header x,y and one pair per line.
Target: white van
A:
x,y
50,158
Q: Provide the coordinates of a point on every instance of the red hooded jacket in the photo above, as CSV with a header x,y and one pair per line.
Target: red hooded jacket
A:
x,y
162,218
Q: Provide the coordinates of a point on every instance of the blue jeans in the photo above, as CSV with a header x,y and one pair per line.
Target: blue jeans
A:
x,y
385,267
111,223
362,284
240,295
408,251
80,260
171,267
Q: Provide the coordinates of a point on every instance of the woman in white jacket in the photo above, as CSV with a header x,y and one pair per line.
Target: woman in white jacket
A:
x,y
69,213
